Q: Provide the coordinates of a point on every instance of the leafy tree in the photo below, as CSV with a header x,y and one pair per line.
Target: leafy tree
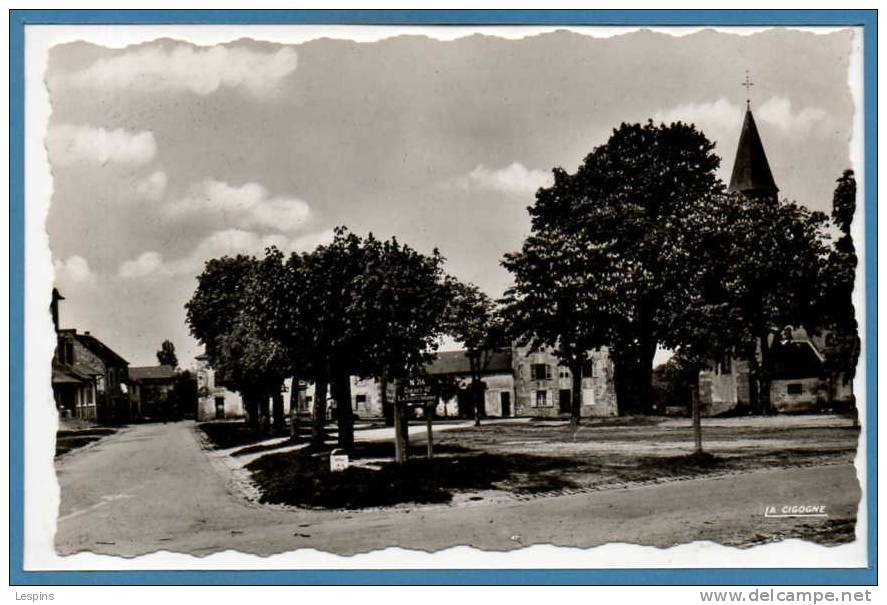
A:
x,y
553,303
332,271
843,344
167,354
398,308
216,303
262,322
215,319
599,265
773,275
472,319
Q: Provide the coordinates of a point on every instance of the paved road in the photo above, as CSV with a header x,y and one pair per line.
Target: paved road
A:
x,y
151,487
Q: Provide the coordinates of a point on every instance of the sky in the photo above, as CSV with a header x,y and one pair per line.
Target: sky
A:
x,y
165,154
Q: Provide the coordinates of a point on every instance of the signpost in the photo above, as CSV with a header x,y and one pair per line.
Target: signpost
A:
x,y
418,392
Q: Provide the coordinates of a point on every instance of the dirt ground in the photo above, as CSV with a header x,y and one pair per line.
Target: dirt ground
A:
x,y
156,487
521,459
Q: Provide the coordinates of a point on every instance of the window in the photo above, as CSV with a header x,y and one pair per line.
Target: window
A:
x,y
360,400
563,372
795,388
541,399
65,351
89,395
541,371
588,368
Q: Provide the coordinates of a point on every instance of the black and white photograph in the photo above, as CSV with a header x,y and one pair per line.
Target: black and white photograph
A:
x,y
342,290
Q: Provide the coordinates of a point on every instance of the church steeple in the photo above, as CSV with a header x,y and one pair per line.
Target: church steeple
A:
x,y
751,171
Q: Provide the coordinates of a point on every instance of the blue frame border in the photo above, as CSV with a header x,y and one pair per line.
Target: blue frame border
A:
x,y
19,19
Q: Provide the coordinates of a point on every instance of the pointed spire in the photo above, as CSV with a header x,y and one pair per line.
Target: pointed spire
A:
x,y
751,171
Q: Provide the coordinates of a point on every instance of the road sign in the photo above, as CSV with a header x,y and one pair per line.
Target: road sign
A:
x,y
417,391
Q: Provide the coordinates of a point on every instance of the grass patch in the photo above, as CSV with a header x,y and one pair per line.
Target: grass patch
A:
x,y
533,458
68,440
224,435
303,478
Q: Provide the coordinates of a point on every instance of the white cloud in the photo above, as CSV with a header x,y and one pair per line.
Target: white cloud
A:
x,y
70,144
310,241
722,119
717,116
778,112
146,265
513,179
247,206
226,242
187,68
152,187
73,270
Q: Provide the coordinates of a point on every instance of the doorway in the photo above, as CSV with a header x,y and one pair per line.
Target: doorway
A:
x,y
220,408
564,403
505,400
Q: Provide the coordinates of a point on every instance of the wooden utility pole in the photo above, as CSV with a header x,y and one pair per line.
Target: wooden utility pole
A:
x,y
401,444
429,414
697,419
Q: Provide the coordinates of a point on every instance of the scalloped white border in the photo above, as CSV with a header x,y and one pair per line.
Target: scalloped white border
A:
x,y
41,487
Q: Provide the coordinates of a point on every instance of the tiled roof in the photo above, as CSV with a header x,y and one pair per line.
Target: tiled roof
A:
x,y
796,359
100,349
457,362
162,372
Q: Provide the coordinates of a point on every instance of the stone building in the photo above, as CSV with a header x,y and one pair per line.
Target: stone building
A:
x,y
150,389
366,399
214,402
90,379
453,370
544,388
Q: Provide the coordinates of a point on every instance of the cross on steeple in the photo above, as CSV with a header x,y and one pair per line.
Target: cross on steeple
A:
x,y
748,84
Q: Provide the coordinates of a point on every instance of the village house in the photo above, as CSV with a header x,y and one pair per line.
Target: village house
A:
x,y
88,378
799,381
453,370
150,388
516,381
214,402
366,398
101,394
544,387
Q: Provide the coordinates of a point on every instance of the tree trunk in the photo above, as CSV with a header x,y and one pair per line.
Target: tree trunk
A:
x,y
295,399
344,415
264,413
576,393
626,381
277,411
251,408
476,395
318,421
387,407
648,352
765,375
